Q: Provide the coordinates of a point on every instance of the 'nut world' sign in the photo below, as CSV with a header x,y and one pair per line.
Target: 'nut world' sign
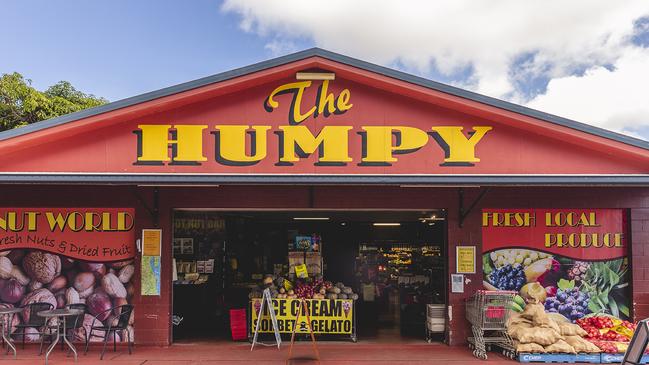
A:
x,y
90,234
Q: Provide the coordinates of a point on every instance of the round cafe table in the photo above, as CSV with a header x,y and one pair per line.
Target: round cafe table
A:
x,y
62,314
6,319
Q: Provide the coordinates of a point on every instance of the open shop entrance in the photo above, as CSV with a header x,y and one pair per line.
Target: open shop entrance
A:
x,y
388,265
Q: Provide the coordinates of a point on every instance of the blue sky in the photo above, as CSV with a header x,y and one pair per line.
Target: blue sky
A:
x,y
584,60
120,48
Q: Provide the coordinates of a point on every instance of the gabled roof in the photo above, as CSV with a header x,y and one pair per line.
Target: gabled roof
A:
x,y
317,52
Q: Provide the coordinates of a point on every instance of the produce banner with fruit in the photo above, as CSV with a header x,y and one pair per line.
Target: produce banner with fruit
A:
x,y
328,316
573,261
90,234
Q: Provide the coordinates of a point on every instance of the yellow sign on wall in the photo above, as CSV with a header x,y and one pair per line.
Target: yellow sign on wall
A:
x,y
151,242
465,260
327,316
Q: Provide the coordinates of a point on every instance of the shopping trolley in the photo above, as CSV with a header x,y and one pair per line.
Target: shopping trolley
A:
x,y
488,311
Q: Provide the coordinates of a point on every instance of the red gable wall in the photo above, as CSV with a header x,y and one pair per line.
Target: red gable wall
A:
x,y
109,144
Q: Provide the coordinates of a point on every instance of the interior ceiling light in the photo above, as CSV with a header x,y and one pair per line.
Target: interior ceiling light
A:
x,y
432,218
386,224
311,218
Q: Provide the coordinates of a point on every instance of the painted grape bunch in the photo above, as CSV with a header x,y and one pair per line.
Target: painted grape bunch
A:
x,y
571,303
508,277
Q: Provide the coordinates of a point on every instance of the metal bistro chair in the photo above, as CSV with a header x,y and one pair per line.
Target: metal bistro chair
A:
x,y
35,320
72,324
121,326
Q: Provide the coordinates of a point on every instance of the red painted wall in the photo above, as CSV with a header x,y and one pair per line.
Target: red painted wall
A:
x,y
152,323
509,148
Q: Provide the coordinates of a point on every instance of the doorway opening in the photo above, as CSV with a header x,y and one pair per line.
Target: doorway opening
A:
x,y
391,264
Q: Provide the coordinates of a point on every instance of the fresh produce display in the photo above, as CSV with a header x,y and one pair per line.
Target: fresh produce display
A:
x,y
533,292
538,331
501,258
606,282
534,330
607,328
572,288
609,347
303,288
578,271
508,277
571,303
575,295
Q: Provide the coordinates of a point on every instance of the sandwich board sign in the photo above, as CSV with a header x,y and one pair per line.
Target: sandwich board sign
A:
x,y
266,302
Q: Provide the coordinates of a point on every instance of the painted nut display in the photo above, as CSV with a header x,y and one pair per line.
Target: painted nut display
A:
x,y
42,266
117,302
113,286
112,320
40,295
60,282
11,291
15,319
34,285
5,268
93,267
99,305
120,264
60,298
16,255
67,263
86,293
126,273
33,276
131,332
130,290
32,335
72,296
83,281
79,334
17,274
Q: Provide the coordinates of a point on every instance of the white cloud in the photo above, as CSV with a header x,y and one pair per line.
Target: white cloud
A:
x,y
615,99
278,47
488,37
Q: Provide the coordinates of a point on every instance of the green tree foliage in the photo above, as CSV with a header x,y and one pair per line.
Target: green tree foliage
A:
x,y
21,104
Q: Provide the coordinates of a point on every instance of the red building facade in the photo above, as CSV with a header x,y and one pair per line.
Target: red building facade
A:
x,y
269,137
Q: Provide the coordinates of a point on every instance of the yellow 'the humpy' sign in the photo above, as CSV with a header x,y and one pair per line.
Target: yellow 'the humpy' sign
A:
x,y
465,259
327,316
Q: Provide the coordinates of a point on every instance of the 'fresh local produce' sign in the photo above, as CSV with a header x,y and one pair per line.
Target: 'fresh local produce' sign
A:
x,y
571,260
327,316
89,234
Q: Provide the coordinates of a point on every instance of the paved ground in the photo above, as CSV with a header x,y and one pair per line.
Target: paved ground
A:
x,y
220,353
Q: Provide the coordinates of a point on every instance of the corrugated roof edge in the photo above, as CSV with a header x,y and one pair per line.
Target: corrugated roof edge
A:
x,y
586,128
459,180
